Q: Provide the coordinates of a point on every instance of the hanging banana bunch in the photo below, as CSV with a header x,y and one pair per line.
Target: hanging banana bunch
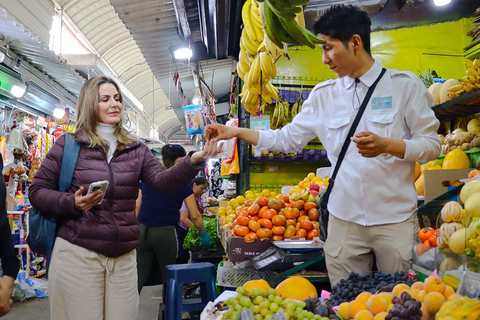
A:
x,y
280,114
297,107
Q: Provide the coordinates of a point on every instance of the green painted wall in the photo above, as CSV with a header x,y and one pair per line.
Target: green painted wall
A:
x,y
438,47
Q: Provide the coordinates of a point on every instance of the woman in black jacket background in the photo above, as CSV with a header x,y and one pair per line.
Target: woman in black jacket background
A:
x,y
9,260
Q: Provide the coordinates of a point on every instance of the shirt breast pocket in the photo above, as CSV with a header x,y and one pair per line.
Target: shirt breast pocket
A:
x,y
337,129
381,124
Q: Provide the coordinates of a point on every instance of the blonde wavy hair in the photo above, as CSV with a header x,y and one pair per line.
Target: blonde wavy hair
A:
x,y
88,115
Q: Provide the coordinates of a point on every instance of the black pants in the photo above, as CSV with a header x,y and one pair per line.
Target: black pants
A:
x,y
183,255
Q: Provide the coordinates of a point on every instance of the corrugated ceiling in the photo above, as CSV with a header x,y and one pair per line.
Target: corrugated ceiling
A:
x,y
153,27
111,40
36,52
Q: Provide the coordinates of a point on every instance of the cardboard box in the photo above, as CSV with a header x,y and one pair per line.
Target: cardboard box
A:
x,y
238,249
435,178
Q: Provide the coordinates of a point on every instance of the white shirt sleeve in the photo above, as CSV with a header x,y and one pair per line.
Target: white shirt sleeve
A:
x,y
294,135
424,144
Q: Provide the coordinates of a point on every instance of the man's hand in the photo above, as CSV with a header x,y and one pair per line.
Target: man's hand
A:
x,y
210,150
369,144
6,289
219,132
89,201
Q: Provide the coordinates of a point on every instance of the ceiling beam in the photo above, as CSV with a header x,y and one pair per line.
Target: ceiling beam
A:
x,y
182,19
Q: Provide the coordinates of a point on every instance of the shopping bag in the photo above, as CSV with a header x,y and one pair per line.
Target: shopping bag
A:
x,y
233,167
324,215
43,228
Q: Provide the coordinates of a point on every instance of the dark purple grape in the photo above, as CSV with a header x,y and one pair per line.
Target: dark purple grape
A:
x,y
405,313
396,318
404,296
396,300
409,303
395,312
388,317
418,304
413,309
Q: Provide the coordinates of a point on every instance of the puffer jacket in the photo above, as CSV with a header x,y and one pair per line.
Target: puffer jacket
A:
x,y
110,228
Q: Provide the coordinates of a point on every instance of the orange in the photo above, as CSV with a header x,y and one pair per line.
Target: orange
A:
x,y
434,284
364,315
421,295
387,296
343,311
433,302
377,304
355,307
364,296
448,291
399,288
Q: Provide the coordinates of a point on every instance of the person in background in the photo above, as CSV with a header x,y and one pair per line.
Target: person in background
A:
x,y
372,203
158,217
200,186
93,270
9,263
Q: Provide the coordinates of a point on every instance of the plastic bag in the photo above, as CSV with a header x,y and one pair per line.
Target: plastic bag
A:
x,y
195,119
25,288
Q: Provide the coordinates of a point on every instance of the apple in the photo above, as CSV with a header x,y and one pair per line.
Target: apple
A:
x,y
314,187
314,193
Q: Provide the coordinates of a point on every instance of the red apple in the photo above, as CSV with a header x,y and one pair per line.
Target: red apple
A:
x,y
314,193
314,187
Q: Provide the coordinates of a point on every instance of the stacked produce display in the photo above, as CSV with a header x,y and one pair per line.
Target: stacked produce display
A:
x,y
453,88
268,215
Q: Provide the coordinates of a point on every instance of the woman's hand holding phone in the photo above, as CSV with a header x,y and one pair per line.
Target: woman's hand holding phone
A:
x,y
89,201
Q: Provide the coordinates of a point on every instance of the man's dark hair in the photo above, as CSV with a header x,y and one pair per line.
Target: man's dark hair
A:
x,y
200,181
170,153
341,22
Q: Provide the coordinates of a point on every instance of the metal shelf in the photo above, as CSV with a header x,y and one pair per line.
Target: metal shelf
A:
x,y
465,105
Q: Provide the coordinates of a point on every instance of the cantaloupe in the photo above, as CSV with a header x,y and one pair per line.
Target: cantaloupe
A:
x,y
434,90
444,89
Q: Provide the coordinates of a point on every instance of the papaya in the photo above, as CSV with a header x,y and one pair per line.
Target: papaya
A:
x,y
297,288
259,284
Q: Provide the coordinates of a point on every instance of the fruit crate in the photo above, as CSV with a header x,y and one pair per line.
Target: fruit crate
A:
x,y
233,278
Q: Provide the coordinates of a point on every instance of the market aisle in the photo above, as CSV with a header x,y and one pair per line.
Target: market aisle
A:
x,y
39,310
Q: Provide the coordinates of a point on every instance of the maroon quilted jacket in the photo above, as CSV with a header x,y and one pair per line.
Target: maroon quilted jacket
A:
x,y
110,228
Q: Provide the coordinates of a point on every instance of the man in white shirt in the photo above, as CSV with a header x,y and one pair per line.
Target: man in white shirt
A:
x,y
372,203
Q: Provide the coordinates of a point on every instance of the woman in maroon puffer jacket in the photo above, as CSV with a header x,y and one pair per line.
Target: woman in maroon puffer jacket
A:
x,y
93,271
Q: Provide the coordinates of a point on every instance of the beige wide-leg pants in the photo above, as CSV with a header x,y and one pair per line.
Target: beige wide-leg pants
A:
x,y
85,285
350,247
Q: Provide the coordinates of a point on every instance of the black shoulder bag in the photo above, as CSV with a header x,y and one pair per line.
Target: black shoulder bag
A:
x,y
326,195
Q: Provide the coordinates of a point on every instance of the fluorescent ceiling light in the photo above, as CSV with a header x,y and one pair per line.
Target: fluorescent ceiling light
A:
x,y
183,54
18,90
440,3
58,113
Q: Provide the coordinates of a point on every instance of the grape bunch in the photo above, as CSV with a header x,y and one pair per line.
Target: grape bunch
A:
x,y
473,244
348,289
405,308
264,306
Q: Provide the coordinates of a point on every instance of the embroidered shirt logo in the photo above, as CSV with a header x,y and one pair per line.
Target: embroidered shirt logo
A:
x,y
381,103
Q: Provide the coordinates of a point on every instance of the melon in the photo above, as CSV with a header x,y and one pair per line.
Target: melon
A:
x,y
452,211
434,90
457,241
297,288
444,89
447,229
456,159
472,205
259,284
468,189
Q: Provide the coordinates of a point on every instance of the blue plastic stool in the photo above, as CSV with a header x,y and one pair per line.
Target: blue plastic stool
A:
x,y
176,275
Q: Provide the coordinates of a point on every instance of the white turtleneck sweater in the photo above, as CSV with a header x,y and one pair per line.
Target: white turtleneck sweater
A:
x,y
106,132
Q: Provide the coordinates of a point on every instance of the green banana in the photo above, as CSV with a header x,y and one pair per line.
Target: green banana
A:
x,y
299,33
278,124
266,15
294,109
283,8
274,117
281,33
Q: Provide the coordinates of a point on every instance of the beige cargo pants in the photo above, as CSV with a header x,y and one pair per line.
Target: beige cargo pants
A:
x,y
86,285
351,247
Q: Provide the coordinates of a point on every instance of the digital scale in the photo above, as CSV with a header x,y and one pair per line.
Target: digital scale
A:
x,y
286,254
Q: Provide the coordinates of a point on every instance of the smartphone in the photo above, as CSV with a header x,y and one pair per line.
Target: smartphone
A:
x,y
101,186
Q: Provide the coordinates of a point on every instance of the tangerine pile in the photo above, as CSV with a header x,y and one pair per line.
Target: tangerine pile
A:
x,y
272,216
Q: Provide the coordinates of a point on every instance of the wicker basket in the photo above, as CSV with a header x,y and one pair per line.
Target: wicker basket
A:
x,y
233,278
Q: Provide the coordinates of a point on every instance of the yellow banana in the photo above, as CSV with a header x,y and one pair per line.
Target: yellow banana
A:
x,y
300,18
455,88
476,63
249,27
240,72
256,71
265,65
469,64
250,45
274,119
472,72
469,87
